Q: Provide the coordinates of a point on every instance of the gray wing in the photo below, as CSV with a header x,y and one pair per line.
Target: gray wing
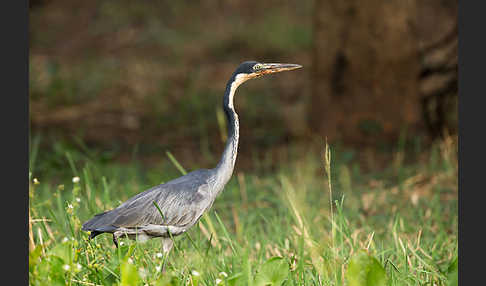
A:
x,y
182,201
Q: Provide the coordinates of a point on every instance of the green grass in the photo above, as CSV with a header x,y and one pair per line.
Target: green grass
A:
x,y
271,228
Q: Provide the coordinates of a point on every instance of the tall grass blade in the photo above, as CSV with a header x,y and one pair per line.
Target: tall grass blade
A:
x,y
176,163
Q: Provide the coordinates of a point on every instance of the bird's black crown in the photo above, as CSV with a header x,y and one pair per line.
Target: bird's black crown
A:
x,y
246,67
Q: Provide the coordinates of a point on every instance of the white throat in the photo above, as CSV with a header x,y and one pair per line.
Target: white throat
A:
x,y
239,79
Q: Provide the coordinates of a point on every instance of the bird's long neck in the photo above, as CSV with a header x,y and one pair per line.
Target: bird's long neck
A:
x,y
225,167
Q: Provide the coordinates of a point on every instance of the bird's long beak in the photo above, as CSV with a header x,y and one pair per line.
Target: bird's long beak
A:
x,y
273,68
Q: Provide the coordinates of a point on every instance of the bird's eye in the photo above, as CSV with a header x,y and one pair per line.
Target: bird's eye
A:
x,y
257,66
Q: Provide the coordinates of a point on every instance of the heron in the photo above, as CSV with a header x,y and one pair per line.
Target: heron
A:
x,y
170,209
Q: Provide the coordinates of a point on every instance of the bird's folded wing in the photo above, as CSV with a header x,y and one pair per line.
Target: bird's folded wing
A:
x,y
180,204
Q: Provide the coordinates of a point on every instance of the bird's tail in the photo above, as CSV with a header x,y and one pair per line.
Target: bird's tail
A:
x,y
99,224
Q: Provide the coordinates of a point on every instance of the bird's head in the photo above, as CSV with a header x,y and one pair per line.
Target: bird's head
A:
x,y
251,69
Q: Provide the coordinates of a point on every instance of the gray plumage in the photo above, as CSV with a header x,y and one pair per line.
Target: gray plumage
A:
x,y
183,200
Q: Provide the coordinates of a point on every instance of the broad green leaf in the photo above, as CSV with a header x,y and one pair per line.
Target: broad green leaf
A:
x,y
166,280
34,257
43,267
127,250
236,279
129,274
365,270
273,272
452,274
56,271
63,251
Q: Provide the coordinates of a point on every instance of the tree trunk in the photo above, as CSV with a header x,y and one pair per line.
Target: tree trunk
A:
x,y
365,67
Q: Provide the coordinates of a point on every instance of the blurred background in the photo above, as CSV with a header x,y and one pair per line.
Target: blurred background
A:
x,y
119,80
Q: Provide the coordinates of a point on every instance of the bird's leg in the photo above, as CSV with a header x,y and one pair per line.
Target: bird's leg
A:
x,y
115,239
167,244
